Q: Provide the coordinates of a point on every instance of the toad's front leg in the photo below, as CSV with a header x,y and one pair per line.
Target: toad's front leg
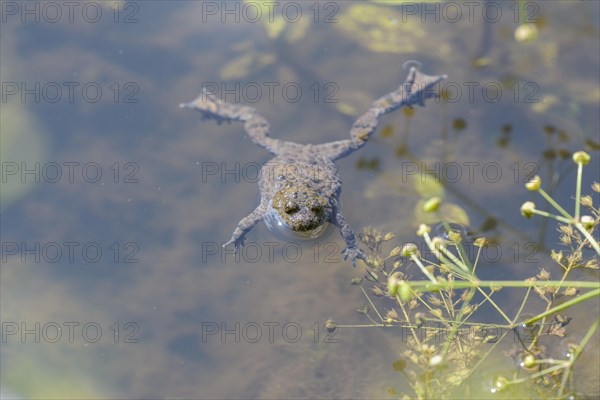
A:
x,y
244,226
348,235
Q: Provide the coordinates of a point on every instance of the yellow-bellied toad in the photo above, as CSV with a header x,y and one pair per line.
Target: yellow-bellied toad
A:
x,y
300,186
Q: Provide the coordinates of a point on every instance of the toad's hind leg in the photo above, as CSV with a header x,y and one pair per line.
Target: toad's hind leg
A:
x,y
255,125
415,90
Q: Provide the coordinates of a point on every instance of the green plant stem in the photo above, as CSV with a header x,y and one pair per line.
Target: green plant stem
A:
x,y
365,326
589,237
579,349
422,267
570,221
493,303
428,286
371,303
553,216
459,247
412,331
578,190
565,305
444,250
474,205
443,256
537,374
523,302
554,204
477,259
457,323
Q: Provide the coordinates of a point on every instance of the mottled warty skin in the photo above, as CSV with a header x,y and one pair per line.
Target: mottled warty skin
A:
x,y
300,187
301,191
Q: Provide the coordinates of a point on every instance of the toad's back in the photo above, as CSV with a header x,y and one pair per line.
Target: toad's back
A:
x,y
292,170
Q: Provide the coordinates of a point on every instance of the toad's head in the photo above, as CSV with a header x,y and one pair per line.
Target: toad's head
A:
x,y
302,208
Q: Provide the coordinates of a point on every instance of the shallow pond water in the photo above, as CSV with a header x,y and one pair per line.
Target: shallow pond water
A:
x,y
115,202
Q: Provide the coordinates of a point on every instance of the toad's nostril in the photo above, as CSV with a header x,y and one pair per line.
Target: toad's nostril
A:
x,y
291,208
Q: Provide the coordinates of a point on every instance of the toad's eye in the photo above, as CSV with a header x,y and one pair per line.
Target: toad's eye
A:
x,y
316,208
291,207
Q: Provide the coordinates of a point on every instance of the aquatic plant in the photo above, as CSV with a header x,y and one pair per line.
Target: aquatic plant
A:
x,y
446,348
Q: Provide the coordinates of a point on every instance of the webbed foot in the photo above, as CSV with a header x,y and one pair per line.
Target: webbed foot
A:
x,y
353,253
244,226
209,106
238,243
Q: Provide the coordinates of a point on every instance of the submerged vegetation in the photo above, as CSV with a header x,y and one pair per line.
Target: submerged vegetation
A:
x,y
447,349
